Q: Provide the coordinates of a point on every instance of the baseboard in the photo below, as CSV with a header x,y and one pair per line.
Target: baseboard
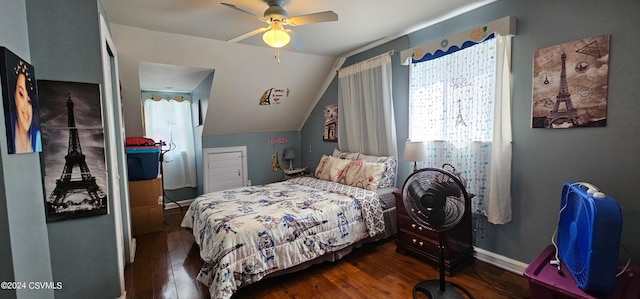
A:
x,y
132,250
500,261
183,203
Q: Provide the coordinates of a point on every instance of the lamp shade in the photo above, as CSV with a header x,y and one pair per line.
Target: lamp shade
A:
x,y
414,151
289,154
276,36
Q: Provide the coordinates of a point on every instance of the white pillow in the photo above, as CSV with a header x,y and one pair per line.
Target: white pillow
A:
x,y
345,155
389,176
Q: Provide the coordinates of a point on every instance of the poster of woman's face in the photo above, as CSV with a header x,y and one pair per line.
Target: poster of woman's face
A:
x,y
20,102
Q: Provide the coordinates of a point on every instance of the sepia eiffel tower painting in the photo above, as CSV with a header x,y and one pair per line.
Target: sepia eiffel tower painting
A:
x,y
76,192
570,84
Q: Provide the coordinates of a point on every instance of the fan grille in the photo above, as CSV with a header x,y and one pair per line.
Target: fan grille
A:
x,y
577,244
435,199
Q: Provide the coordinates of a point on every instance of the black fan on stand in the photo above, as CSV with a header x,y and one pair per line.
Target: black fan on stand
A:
x,y
436,199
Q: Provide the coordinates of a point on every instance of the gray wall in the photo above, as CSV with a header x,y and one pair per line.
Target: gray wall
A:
x,y
24,246
259,151
311,144
543,159
83,251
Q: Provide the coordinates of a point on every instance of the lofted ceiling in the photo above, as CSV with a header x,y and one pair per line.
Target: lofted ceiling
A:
x,y
361,24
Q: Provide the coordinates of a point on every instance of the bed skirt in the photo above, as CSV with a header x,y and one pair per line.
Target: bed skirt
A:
x,y
391,227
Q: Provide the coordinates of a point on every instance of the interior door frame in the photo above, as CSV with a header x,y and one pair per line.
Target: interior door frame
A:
x,y
221,150
110,95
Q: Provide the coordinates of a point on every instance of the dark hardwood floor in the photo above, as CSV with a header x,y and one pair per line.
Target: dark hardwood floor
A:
x,y
167,263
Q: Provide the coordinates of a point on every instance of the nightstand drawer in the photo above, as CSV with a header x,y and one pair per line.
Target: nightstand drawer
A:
x,y
423,245
407,224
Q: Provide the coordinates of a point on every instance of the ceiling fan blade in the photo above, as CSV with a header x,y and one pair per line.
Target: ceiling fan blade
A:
x,y
248,34
240,9
319,17
297,42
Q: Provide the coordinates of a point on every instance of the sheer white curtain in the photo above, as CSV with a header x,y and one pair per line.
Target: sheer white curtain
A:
x,y
366,121
460,106
170,121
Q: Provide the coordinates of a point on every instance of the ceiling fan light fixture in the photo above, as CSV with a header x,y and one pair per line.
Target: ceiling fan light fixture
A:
x,y
276,36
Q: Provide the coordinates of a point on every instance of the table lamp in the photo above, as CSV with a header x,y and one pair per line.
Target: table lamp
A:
x,y
289,154
413,152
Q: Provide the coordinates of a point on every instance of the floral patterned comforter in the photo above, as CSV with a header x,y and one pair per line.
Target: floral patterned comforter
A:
x,y
249,232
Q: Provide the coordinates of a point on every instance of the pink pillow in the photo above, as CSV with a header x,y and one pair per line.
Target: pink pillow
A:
x,y
330,168
362,174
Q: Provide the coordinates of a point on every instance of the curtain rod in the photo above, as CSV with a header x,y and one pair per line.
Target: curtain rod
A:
x,y
390,52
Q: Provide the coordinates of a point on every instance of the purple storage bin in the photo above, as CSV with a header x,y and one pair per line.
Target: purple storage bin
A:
x,y
545,283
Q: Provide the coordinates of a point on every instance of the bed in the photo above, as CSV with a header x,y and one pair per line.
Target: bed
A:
x,y
247,234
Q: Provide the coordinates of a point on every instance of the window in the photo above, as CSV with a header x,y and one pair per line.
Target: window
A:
x,y
452,96
460,107
169,121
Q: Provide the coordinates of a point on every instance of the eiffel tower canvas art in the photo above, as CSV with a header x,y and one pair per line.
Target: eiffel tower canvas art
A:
x,y
570,84
73,147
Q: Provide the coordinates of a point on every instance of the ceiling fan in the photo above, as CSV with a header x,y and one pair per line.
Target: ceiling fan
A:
x,y
275,35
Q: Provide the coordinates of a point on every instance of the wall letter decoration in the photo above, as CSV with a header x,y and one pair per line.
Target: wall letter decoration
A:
x,y
274,96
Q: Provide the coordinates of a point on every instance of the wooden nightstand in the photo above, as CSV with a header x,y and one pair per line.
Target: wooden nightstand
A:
x,y
421,242
294,173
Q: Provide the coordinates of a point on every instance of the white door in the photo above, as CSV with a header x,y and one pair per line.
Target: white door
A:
x,y
225,168
114,147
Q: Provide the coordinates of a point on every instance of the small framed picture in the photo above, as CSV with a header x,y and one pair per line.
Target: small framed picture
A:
x,y
330,132
20,102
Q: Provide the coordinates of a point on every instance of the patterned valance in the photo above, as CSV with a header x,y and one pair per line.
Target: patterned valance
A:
x,y
458,41
157,96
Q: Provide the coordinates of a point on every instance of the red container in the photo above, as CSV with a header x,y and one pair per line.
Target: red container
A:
x,y
545,283
139,141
